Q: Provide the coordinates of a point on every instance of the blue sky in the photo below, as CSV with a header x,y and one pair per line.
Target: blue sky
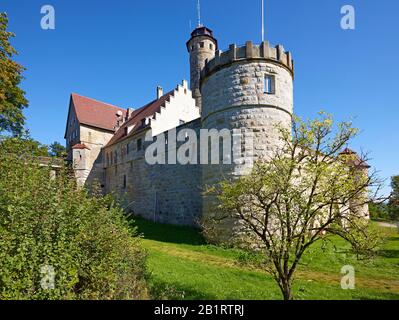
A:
x,y
119,51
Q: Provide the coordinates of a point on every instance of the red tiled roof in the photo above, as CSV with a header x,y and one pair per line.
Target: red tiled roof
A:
x,y
80,146
96,113
355,161
348,151
138,115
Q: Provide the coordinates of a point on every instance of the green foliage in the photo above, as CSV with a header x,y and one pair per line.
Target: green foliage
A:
x,y
394,199
57,150
12,98
379,211
23,146
49,222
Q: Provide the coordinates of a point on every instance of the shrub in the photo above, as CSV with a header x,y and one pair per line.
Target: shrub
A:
x,y
47,224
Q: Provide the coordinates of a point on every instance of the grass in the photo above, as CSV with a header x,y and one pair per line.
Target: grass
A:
x,y
183,266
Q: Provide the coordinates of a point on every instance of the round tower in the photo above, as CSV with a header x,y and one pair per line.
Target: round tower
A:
x,y
201,46
247,89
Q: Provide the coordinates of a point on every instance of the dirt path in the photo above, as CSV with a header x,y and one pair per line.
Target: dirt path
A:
x,y
388,224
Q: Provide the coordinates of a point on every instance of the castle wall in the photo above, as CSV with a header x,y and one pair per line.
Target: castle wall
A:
x,y
166,193
234,98
95,139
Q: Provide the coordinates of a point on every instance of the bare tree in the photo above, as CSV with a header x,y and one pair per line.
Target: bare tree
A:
x,y
308,191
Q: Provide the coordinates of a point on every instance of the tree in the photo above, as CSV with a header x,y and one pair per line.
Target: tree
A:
x,y
60,243
56,149
12,98
23,145
309,191
394,199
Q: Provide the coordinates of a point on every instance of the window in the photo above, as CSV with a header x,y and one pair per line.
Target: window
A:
x,y
269,84
202,45
124,182
127,149
139,144
211,46
116,156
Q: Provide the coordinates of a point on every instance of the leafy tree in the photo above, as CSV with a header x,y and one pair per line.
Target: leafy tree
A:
x,y
379,211
56,149
308,192
394,199
57,242
12,98
23,145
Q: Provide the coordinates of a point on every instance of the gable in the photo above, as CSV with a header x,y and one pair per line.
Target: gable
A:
x,y
95,113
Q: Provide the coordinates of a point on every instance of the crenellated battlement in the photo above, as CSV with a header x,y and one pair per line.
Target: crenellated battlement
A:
x,y
249,51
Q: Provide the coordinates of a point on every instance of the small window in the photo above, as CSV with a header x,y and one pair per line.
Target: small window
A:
x,y
116,156
211,46
127,149
116,170
139,144
124,182
202,45
269,84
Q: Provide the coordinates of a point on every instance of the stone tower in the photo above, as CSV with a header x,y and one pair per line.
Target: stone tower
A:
x,y
249,88
202,47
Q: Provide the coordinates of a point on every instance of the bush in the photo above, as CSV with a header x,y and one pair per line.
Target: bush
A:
x,y
48,225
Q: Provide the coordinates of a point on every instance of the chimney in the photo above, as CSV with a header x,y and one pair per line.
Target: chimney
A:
x,y
129,113
159,92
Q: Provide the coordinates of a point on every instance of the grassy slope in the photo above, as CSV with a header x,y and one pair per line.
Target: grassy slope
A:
x,y
183,267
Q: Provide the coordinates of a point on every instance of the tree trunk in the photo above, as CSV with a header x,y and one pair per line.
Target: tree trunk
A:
x,y
286,289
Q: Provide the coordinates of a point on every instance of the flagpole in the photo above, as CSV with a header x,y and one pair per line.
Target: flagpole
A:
x,y
263,20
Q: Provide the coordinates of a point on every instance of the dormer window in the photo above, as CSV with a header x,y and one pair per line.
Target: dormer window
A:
x,y
269,84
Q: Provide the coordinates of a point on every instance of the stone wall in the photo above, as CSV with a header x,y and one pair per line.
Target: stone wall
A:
x,y
234,98
95,139
166,193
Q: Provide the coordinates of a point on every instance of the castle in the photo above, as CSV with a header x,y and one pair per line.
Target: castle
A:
x,y
248,89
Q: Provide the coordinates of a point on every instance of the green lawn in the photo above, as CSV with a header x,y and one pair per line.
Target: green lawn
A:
x,y
183,266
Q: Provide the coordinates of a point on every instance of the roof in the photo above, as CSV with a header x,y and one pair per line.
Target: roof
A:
x,y
348,151
135,121
96,113
355,160
202,31
80,146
